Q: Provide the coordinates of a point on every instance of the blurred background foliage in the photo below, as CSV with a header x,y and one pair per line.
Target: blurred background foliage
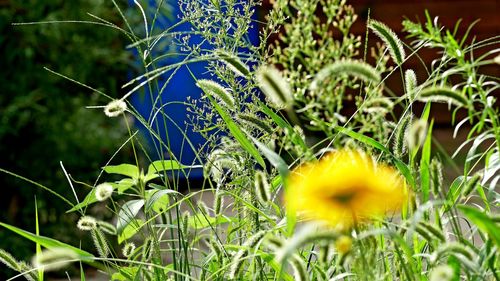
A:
x,y
43,119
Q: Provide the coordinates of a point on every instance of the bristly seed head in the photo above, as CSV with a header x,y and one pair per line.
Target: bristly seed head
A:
x,y
103,191
417,133
128,250
115,108
54,258
274,85
87,223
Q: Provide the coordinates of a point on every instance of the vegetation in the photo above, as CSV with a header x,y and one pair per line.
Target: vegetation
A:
x,y
316,169
43,118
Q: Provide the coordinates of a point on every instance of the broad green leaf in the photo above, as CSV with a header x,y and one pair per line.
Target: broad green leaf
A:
x,y
483,222
156,168
124,184
164,165
130,230
125,273
47,242
128,170
127,213
238,134
424,164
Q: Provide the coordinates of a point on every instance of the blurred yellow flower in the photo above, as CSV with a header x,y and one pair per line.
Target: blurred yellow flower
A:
x,y
345,187
343,244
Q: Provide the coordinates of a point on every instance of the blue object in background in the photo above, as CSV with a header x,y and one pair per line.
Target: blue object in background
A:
x,y
180,86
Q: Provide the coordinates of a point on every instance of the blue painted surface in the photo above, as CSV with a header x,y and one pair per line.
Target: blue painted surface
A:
x,y
181,86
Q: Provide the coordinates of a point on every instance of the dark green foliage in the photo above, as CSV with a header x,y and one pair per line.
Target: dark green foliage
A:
x,y
43,119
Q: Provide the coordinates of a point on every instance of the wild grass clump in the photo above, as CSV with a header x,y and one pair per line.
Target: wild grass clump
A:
x,y
298,187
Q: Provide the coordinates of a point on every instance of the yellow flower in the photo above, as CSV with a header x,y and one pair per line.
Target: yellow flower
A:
x,y
344,188
343,244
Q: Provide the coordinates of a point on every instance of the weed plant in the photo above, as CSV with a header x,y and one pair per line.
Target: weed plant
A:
x,y
311,171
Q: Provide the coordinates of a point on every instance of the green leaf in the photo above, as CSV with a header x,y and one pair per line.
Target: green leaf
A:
x,y
124,184
483,222
424,164
38,246
89,199
238,134
125,273
128,170
47,242
130,230
164,165
127,213
82,273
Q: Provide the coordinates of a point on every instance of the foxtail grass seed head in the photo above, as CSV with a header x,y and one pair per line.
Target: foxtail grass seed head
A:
x,y
185,223
106,227
54,259
299,269
471,184
443,95
390,39
423,232
128,249
100,243
115,108
452,248
217,91
87,223
410,83
400,136
147,249
203,208
255,122
28,272
234,63
103,191
218,202
436,176
442,273
239,257
343,244
417,133
378,106
262,187
7,259
274,86
434,230
356,69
